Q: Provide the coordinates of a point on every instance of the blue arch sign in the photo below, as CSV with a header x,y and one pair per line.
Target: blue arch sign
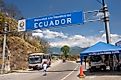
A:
x,y
50,21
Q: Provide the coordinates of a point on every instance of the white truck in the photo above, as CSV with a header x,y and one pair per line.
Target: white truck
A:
x,y
96,63
36,60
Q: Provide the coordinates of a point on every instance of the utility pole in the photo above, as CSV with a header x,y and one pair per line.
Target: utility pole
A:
x,y
4,45
106,21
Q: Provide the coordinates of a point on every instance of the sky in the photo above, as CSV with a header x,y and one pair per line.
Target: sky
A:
x,y
82,35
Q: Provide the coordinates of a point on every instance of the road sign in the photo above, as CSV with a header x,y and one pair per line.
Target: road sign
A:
x,y
50,21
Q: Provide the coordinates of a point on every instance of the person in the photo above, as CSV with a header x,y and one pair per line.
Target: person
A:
x,y
64,60
45,68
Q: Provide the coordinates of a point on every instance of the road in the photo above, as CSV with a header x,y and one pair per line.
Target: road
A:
x,y
61,71
108,75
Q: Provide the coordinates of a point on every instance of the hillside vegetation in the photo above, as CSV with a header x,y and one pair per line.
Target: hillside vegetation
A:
x,y
19,44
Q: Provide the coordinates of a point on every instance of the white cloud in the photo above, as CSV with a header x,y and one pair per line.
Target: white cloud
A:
x,y
76,40
102,31
59,39
114,38
49,34
79,40
38,34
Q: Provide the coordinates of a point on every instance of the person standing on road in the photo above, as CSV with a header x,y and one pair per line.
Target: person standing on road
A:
x,y
45,68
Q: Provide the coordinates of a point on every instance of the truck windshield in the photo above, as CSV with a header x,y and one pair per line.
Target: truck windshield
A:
x,y
95,58
35,59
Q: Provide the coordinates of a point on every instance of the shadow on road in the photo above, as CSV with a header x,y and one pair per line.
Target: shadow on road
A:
x,y
102,73
62,70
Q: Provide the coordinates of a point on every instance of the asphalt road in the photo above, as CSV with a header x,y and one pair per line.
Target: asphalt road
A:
x,y
108,75
61,71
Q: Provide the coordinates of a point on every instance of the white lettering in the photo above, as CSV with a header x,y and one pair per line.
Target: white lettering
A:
x,y
46,23
40,24
51,23
35,25
68,20
63,21
50,17
56,22
41,19
68,15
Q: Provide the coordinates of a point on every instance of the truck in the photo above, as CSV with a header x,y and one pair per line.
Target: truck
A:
x,y
96,62
36,60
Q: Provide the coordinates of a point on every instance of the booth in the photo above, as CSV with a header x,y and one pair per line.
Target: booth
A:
x,y
102,56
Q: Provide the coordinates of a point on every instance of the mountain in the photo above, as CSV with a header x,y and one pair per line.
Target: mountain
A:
x,y
73,50
54,50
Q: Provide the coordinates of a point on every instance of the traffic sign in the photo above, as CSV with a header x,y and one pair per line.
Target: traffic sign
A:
x,y
50,21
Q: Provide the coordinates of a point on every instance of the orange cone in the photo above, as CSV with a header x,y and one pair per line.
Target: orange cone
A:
x,y
81,72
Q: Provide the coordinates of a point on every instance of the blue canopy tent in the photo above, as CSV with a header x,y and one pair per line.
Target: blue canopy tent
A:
x,y
100,48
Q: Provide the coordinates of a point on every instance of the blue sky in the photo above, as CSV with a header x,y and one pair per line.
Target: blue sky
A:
x,y
90,30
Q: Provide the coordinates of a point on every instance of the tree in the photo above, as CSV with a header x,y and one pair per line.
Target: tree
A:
x,y
65,49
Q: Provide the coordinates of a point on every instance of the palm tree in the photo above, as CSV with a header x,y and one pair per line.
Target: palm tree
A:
x,y
65,49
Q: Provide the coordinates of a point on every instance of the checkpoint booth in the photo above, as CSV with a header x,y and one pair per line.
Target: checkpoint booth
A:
x,y
102,56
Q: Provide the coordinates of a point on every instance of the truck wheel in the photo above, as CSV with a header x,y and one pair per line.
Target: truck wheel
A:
x,y
103,68
92,69
118,68
34,68
38,68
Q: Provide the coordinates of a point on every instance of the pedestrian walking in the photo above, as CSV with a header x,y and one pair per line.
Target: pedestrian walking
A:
x,y
45,68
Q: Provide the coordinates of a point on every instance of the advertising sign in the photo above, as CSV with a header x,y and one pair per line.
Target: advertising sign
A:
x,y
50,21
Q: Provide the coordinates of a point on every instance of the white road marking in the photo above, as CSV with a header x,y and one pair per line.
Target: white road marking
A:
x,y
110,76
104,76
69,73
92,77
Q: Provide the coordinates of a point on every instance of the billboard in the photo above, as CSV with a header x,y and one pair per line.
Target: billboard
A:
x,y
50,21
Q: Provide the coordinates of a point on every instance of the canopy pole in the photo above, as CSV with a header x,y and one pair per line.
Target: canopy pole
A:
x,y
85,62
81,58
